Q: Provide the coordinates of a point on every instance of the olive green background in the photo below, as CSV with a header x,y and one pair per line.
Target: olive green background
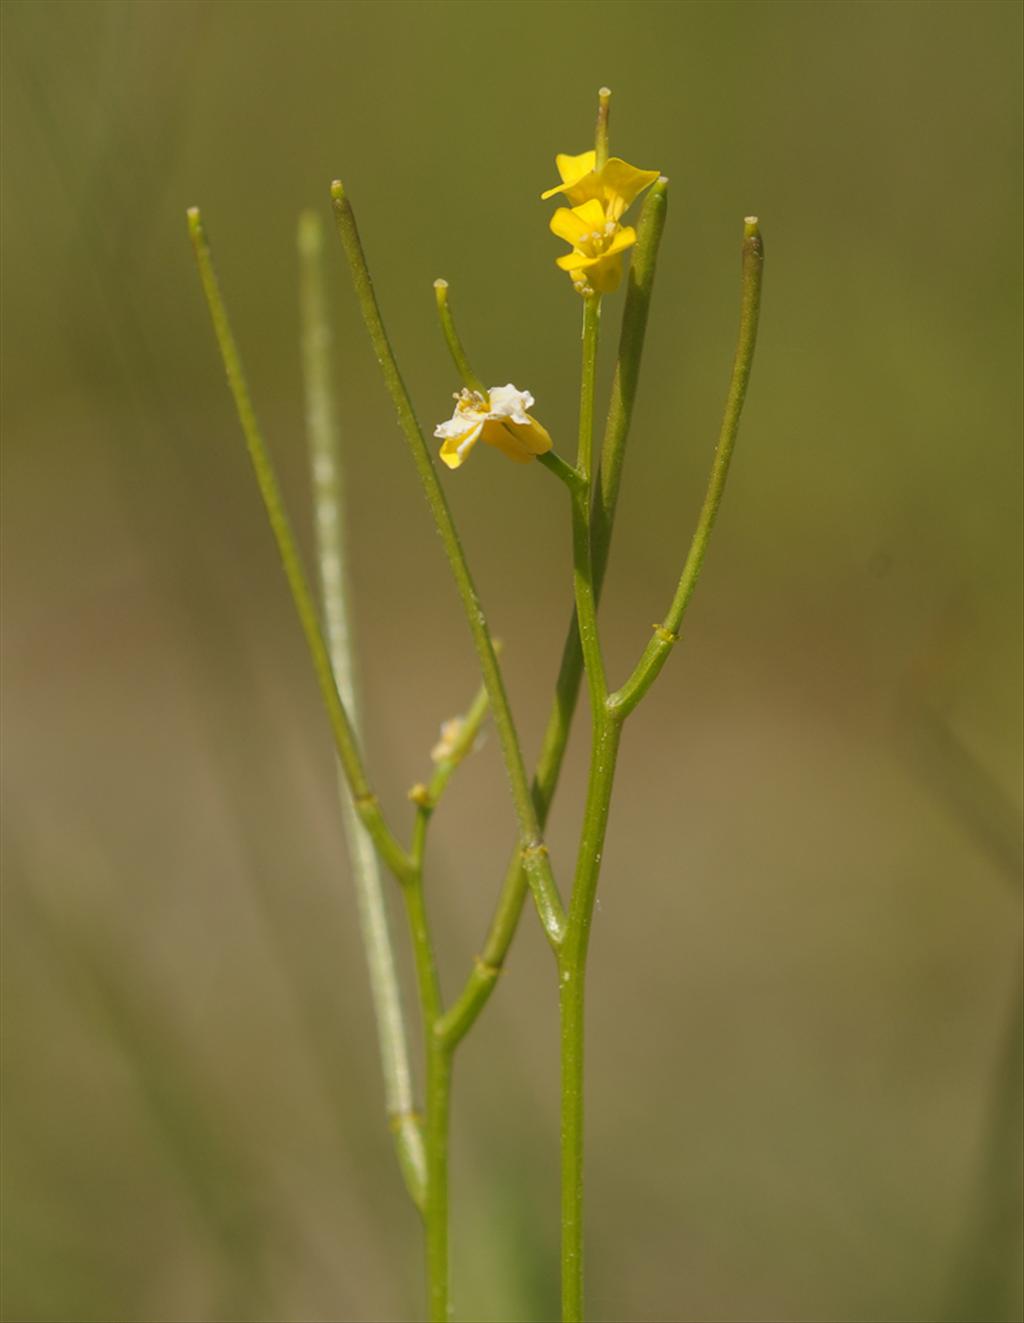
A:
x,y
804,1042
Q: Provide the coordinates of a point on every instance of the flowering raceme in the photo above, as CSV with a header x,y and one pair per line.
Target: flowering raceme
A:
x,y
501,420
591,225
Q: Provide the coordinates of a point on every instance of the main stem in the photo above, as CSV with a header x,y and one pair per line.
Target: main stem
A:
x,y
438,1102
438,1061
572,956
572,970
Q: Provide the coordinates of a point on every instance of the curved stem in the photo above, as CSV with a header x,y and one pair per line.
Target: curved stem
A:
x,y
341,727
625,699
534,852
335,592
452,340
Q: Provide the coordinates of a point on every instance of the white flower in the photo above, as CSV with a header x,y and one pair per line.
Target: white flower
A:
x,y
501,420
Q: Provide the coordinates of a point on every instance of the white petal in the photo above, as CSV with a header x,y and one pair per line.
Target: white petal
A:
x,y
469,440
462,420
510,402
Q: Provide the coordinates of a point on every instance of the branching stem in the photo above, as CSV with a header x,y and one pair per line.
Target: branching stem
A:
x,y
625,699
344,736
483,977
534,854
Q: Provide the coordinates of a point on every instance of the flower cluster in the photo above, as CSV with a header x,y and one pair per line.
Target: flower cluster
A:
x,y
591,225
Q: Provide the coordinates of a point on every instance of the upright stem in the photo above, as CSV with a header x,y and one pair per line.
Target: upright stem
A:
x,y
572,970
608,720
583,569
571,997
439,1086
335,592
572,957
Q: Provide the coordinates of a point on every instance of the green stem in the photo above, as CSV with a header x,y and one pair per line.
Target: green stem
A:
x,y
572,969
451,339
572,960
335,593
571,994
461,747
483,977
626,380
555,464
583,570
366,803
625,699
534,852
438,1087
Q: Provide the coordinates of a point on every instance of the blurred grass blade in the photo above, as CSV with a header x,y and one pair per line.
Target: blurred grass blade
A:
x,y
335,590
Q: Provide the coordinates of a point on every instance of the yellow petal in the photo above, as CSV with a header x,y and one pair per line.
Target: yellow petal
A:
x,y
568,226
591,213
520,442
605,274
575,261
625,238
455,450
572,225
621,183
572,169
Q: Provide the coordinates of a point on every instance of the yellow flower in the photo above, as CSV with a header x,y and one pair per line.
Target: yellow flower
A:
x,y
595,263
501,420
615,185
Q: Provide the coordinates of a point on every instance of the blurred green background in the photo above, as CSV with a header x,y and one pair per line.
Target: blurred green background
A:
x,y
804,1046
